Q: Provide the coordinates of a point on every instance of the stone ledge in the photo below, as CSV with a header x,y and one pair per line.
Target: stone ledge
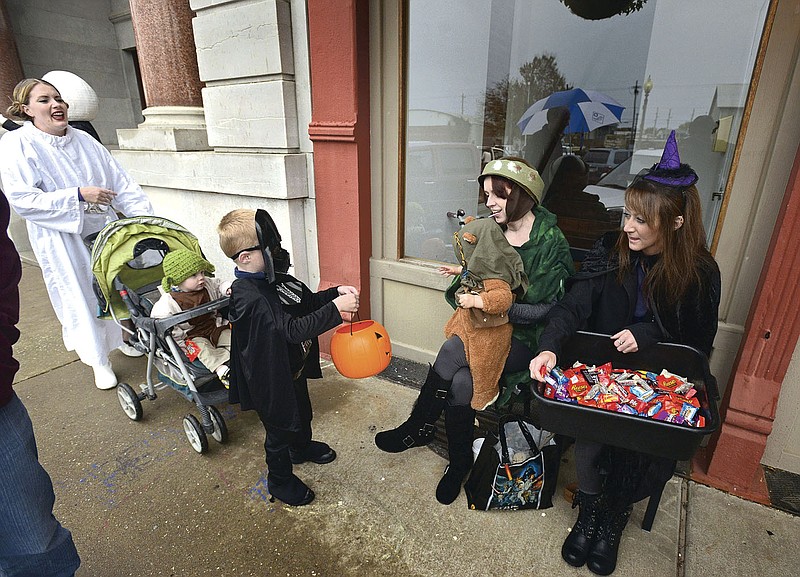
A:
x,y
170,139
170,128
280,176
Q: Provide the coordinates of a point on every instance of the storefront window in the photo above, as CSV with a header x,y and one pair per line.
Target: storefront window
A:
x,y
502,77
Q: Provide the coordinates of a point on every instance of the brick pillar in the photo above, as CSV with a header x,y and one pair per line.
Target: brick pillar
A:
x,y
339,129
10,66
732,460
165,46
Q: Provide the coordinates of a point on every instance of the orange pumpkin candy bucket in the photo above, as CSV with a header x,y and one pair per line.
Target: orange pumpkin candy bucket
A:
x,y
361,349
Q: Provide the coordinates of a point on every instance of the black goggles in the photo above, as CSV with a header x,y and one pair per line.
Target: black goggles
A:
x,y
235,256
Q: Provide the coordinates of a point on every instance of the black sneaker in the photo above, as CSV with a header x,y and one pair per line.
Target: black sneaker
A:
x,y
316,452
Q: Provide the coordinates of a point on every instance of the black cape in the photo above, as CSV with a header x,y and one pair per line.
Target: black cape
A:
x,y
269,324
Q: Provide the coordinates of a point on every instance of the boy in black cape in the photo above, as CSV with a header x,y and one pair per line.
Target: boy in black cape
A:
x,y
276,320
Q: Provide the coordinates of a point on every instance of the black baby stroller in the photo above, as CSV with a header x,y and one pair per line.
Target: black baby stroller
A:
x,y
126,262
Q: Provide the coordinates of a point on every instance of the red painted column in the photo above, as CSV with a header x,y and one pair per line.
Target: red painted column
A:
x,y
339,129
732,460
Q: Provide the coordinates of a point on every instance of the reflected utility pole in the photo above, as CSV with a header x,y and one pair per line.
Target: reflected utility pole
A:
x,y
633,123
648,86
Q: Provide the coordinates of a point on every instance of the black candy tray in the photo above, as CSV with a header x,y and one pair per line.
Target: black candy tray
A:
x,y
642,434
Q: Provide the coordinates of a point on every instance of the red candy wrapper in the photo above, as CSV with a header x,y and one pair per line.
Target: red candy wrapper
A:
x,y
669,383
192,350
578,389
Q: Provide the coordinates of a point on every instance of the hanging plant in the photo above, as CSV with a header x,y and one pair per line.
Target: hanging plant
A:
x,y
600,9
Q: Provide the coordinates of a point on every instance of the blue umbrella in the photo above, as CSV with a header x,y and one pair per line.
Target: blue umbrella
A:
x,y
588,109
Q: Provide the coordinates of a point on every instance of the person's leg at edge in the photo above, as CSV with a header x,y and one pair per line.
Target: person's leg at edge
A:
x,y
32,541
591,503
282,483
303,448
419,429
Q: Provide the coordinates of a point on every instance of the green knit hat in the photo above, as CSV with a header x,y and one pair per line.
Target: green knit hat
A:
x,y
180,264
525,176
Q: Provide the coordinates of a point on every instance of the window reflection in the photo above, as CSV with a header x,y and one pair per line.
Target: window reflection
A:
x,y
476,69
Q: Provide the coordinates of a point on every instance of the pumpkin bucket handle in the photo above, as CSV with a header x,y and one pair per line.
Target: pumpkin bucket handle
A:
x,y
354,318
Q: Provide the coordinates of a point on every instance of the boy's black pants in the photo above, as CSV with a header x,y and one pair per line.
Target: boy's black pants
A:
x,y
278,442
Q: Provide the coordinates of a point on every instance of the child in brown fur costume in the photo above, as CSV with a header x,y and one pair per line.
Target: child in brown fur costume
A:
x,y
491,274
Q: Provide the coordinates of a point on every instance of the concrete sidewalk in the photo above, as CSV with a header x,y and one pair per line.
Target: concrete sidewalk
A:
x,y
141,502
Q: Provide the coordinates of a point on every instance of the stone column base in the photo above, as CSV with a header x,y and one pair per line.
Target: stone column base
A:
x,y
173,128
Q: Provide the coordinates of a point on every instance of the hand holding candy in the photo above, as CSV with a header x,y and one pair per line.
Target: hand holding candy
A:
x,y
541,365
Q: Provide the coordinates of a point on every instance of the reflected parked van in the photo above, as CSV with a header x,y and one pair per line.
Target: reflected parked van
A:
x,y
600,161
441,178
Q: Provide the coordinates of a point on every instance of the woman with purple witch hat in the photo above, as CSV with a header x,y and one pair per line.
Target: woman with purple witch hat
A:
x,y
653,281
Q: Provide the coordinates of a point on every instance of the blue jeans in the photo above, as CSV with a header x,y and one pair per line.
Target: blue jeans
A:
x,y
32,541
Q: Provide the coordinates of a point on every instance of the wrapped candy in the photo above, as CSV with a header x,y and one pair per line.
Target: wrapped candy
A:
x,y
664,397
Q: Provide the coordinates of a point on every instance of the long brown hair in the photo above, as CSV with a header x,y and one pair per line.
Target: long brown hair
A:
x,y
682,248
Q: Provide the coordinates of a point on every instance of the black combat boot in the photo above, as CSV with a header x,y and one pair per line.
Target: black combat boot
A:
x,y
591,512
420,427
602,558
459,422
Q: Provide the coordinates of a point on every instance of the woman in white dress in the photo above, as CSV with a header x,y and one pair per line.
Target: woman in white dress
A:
x,y
66,185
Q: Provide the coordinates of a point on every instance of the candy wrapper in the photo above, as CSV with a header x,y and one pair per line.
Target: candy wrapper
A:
x,y
192,350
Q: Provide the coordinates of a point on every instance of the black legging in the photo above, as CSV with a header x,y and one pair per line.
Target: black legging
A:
x,y
451,364
587,456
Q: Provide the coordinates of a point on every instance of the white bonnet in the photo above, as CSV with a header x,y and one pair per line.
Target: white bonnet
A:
x,y
82,99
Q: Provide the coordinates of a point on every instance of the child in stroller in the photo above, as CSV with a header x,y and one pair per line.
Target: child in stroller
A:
x,y
186,286
128,259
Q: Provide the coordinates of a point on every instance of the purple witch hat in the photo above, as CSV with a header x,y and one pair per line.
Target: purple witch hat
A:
x,y
669,171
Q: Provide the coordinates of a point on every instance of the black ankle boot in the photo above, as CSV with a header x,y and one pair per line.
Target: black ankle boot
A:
x,y
420,427
459,423
291,491
591,512
602,558
282,483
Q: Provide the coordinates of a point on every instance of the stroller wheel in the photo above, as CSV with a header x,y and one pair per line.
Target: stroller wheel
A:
x,y
129,401
220,434
195,433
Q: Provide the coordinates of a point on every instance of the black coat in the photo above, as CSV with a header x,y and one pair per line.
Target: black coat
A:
x,y
10,275
269,323
597,302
